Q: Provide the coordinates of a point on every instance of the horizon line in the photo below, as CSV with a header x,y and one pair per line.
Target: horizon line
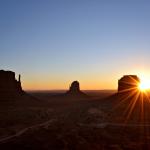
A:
x,y
68,89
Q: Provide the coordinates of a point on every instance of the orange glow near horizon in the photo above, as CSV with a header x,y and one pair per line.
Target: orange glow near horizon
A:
x,y
64,85
144,77
62,82
144,84
94,81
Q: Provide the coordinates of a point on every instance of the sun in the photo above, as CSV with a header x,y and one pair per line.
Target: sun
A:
x,y
144,84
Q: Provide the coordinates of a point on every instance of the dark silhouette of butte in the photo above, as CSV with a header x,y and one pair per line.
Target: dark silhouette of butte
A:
x,y
75,87
74,90
129,104
128,83
9,85
127,90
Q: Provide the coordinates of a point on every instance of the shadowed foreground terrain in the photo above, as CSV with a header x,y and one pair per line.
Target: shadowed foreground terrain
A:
x,y
44,120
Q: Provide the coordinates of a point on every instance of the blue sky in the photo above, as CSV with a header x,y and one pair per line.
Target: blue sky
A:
x,y
52,42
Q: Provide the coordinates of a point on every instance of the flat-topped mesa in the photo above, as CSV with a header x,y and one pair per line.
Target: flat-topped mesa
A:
x,y
8,83
128,83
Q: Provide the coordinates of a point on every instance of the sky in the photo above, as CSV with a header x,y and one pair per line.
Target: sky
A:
x,y
54,42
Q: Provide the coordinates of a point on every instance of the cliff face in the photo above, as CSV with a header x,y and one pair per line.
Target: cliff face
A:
x,y
128,83
8,83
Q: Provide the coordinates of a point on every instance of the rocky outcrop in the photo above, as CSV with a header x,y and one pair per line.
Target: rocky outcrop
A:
x,y
74,90
75,87
128,83
8,84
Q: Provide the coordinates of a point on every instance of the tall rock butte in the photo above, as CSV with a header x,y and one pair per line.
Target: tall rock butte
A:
x,y
75,87
128,83
8,84
74,90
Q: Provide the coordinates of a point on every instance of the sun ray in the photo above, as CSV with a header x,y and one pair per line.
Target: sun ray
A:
x,y
144,85
132,105
125,97
142,106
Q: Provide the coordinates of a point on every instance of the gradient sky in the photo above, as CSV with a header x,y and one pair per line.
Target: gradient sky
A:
x,y
53,42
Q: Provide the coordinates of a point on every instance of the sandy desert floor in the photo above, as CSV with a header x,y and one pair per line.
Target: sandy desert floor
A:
x,y
53,121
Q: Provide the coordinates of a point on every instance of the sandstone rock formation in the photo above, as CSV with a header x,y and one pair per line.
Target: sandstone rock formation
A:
x,y
128,83
74,90
8,84
75,87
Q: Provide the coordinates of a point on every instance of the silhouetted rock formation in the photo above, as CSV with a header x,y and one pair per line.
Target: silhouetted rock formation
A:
x,y
74,90
75,87
128,83
8,84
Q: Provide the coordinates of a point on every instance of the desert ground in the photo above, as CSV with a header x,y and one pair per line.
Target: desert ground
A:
x,y
52,120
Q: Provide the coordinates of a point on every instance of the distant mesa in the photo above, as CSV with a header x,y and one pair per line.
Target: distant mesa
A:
x,y
74,90
8,84
128,83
